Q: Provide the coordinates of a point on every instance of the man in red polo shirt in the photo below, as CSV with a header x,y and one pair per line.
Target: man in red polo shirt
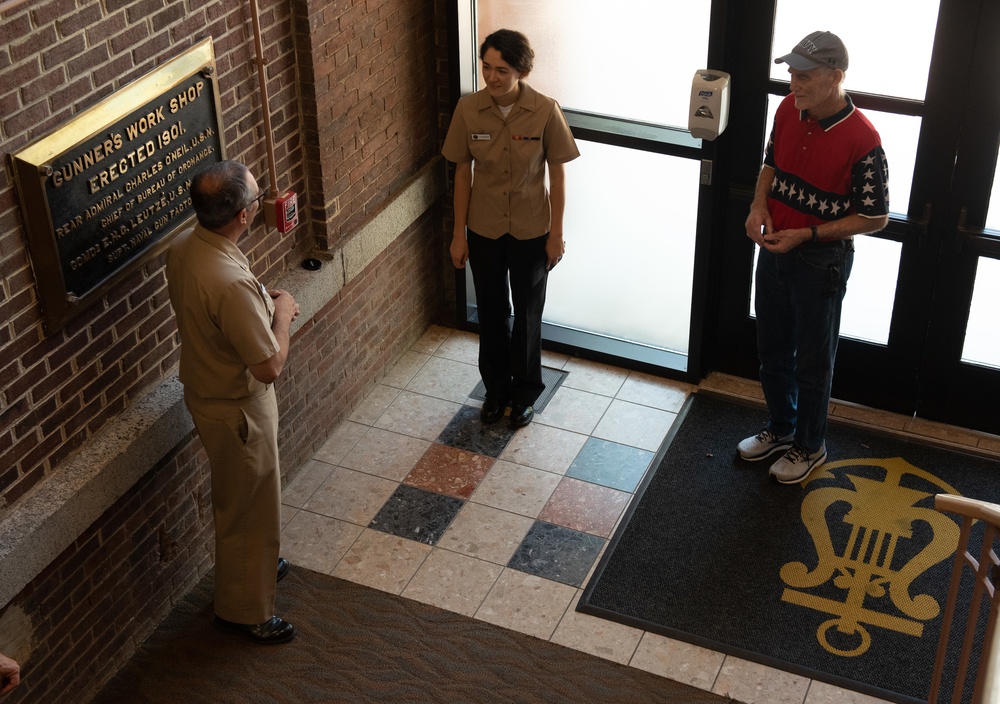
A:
x,y
824,180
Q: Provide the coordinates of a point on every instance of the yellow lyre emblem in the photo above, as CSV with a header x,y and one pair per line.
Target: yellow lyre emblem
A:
x,y
881,514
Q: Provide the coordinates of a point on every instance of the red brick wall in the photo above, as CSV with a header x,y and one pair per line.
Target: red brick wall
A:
x,y
107,592
58,390
376,111
355,97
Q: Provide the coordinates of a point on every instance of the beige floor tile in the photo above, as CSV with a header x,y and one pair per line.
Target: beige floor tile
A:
x,y
340,442
654,391
404,369
544,447
307,480
374,404
823,693
445,379
597,563
634,425
527,604
317,542
597,636
460,346
432,338
351,496
287,513
485,533
680,661
511,487
575,410
554,360
753,683
382,561
418,416
452,581
386,454
594,377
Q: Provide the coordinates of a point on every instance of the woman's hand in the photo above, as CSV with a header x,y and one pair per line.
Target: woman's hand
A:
x,y
459,250
555,248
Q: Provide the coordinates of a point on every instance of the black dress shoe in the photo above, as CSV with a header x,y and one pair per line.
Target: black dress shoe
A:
x,y
283,568
274,630
492,411
520,415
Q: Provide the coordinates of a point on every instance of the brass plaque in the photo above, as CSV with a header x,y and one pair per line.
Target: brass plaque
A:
x,y
104,193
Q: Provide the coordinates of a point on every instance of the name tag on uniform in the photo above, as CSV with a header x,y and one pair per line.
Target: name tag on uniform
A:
x,y
480,137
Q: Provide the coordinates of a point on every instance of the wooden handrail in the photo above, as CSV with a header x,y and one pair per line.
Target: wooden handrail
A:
x,y
980,510
986,688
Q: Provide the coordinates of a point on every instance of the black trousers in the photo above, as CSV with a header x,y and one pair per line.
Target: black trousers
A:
x,y
509,270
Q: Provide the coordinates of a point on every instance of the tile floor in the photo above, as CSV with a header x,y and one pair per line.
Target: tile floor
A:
x,y
414,496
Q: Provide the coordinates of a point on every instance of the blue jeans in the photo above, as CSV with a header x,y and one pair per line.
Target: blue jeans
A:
x,y
798,303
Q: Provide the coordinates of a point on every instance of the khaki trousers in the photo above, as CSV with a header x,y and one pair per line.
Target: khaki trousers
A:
x,y
241,439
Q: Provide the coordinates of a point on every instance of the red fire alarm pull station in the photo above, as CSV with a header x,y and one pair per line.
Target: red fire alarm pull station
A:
x,y
282,212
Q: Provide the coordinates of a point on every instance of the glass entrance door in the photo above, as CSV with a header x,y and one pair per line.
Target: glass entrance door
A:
x,y
960,376
625,288
920,332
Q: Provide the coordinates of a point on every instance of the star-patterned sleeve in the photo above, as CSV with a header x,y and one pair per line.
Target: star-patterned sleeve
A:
x,y
870,184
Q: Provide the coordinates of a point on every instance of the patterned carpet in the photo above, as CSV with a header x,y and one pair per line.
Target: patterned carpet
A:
x,y
358,645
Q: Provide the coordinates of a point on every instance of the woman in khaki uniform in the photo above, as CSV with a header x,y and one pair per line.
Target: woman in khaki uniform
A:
x,y
507,225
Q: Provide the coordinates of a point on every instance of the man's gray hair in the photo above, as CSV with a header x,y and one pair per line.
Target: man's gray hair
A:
x,y
219,192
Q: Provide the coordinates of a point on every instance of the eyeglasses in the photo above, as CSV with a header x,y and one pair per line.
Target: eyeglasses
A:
x,y
261,195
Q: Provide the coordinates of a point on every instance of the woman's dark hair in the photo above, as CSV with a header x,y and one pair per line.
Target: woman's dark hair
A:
x,y
513,47
219,192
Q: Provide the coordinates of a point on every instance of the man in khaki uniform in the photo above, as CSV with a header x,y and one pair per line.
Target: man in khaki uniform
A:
x,y
234,343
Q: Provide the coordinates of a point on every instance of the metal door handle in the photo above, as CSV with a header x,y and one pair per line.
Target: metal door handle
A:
x,y
922,224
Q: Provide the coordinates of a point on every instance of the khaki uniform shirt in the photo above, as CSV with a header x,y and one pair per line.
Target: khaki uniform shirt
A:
x,y
223,315
509,157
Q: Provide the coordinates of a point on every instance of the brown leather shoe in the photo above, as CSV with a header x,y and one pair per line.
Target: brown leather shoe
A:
x,y
274,630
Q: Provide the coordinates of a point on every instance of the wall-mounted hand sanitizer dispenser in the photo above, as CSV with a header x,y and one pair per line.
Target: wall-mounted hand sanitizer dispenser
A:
x,y
709,104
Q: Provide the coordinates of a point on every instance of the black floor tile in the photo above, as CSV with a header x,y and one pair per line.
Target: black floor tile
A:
x,y
416,514
467,432
556,553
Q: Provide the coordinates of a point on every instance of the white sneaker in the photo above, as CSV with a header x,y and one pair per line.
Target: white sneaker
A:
x,y
795,465
763,444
